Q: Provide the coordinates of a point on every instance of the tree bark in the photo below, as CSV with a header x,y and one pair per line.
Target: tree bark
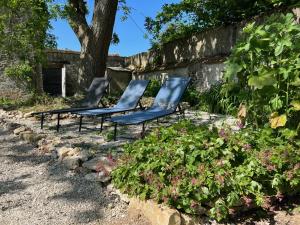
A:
x,y
94,39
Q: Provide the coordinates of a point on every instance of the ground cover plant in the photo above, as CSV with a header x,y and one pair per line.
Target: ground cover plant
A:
x,y
219,172
194,169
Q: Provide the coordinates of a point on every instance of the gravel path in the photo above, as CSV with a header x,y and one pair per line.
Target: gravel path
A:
x,y
36,190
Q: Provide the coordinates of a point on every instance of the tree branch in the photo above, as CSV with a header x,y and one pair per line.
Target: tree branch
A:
x,y
76,16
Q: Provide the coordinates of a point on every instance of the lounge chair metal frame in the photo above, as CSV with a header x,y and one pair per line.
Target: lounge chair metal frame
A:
x,y
70,110
108,114
177,109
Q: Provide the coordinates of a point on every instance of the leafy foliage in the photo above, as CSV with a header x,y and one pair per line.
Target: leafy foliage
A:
x,y
153,88
264,71
181,19
23,35
21,73
192,168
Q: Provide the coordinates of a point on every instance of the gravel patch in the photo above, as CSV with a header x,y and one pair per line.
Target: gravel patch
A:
x,y
36,189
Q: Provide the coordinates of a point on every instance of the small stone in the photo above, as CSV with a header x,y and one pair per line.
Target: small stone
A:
x,y
19,130
54,117
110,206
30,137
28,115
123,197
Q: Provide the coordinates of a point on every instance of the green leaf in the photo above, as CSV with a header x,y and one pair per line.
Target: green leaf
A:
x,y
296,105
276,103
260,81
279,49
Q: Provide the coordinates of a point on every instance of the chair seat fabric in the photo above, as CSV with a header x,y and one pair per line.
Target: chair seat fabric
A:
x,y
96,112
165,102
142,116
128,101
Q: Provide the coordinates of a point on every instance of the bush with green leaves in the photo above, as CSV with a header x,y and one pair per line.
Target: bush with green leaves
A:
x,y
22,74
190,167
153,88
264,71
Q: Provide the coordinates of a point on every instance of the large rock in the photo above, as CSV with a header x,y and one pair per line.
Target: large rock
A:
x,y
30,137
99,163
48,145
64,152
72,162
155,213
100,177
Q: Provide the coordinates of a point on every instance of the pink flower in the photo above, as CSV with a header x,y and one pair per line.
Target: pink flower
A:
x,y
194,204
247,146
248,201
194,181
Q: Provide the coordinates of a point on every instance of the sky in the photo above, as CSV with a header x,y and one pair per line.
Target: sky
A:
x,y
131,32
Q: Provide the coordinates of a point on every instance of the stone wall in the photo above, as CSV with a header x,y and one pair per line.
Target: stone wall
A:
x,y
200,56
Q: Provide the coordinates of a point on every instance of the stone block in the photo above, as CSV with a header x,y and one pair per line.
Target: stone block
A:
x,y
155,213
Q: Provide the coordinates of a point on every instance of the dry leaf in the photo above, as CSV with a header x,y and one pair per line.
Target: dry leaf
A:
x,y
277,121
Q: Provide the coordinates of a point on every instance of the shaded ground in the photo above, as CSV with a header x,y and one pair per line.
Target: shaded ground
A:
x,y
34,189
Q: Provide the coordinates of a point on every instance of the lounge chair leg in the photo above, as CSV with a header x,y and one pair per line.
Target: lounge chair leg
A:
x,y
42,121
143,131
80,123
115,132
58,121
102,120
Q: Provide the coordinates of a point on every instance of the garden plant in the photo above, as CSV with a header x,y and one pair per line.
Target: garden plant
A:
x,y
219,172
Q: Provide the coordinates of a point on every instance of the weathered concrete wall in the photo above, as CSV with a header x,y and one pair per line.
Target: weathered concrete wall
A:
x,y
203,75
201,56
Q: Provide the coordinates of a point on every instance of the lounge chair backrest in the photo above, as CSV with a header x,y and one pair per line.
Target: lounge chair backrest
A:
x,y
132,94
170,93
95,92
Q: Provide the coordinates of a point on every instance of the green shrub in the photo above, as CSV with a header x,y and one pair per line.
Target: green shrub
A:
x,y
22,74
153,88
189,167
264,72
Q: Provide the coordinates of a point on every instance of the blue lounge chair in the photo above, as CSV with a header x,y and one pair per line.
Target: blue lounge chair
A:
x,y
166,103
128,102
94,95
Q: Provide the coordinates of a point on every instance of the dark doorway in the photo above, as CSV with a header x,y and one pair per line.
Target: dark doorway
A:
x,y
52,81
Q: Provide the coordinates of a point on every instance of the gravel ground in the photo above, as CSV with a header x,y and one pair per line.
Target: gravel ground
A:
x,y
36,190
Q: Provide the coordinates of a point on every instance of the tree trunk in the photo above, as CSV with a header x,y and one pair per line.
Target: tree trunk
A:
x,y
94,39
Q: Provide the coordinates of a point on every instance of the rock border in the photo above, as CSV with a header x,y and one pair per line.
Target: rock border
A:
x,y
157,214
